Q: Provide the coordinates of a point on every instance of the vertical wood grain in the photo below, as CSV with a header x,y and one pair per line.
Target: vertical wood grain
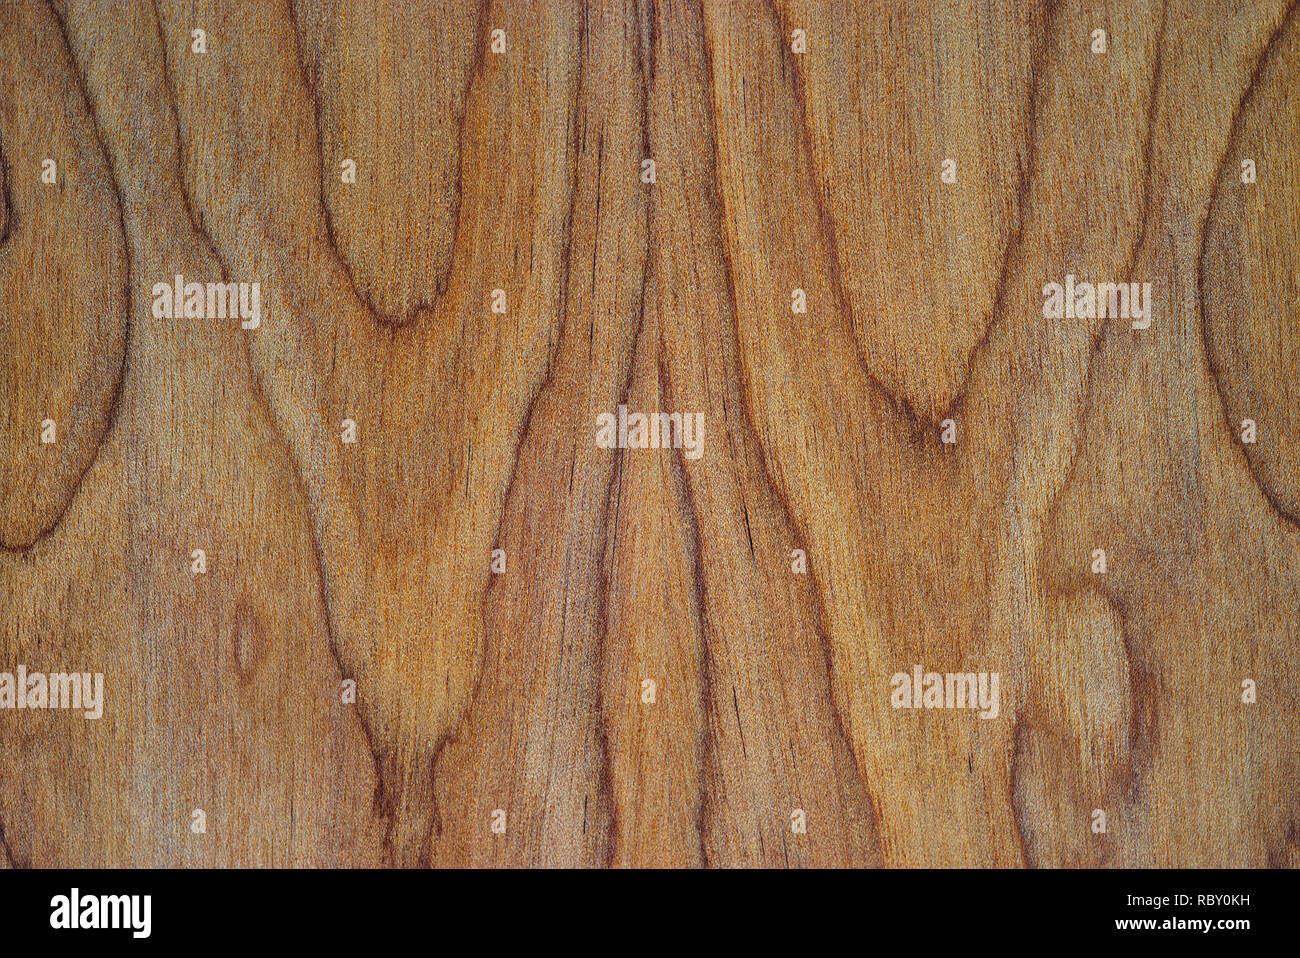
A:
x,y
522,691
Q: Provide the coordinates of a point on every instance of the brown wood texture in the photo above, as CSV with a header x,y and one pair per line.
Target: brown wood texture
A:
x,y
779,164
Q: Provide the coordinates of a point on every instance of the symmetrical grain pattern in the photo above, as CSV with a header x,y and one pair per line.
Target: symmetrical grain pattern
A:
x,y
571,655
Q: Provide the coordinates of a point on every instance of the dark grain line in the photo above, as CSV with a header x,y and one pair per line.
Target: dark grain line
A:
x,y
526,423
1213,360
705,749
1013,773
1104,331
1015,240
8,850
918,426
181,159
900,406
98,439
6,200
311,84
1098,342
821,621
384,801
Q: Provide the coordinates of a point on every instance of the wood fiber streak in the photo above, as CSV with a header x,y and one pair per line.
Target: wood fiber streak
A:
x,y
522,691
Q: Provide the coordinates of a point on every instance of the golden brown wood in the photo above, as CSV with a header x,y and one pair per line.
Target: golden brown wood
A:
x,y
776,168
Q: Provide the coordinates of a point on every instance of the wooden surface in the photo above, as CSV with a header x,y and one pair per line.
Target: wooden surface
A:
x,y
522,691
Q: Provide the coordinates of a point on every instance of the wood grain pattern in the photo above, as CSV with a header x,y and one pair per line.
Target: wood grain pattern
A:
x,y
775,170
